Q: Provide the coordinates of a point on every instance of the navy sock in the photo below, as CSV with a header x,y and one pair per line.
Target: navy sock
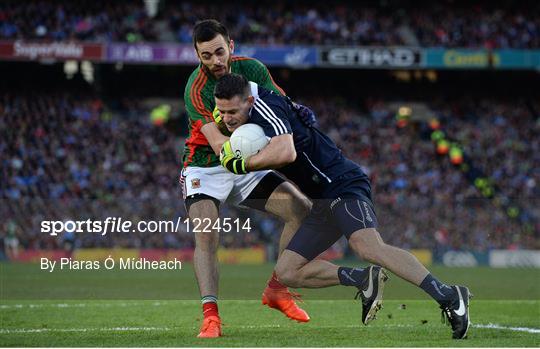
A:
x,y
352,276
439,291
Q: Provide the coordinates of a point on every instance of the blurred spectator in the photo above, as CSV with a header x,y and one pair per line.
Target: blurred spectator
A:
x,y
446,24
70,157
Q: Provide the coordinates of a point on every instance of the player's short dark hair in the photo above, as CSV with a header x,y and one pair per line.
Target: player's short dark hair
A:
x,y
207,30
231,85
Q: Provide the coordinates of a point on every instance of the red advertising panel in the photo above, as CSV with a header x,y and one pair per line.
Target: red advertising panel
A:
x,y
27,50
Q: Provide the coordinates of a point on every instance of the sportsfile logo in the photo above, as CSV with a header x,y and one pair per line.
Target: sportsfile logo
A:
x,y
110,225
121,225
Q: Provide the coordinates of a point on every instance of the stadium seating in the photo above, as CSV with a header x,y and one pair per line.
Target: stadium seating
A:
x,y
490,25
75,152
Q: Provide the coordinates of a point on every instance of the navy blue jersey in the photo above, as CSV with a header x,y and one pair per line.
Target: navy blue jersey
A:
x,y
319,166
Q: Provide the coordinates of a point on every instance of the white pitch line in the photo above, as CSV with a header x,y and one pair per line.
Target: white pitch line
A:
x,y
171,302
165,329
509,328
162,329
110,329
90,304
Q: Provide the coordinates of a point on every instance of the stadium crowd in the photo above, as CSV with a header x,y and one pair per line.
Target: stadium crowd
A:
x,y
73,157
448,24
424,200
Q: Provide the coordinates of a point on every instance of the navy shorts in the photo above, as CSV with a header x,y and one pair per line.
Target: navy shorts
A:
x,y
351,209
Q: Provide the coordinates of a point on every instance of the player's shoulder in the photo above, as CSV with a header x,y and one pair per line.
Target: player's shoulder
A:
x,y
244,60
196,82
240,63
269,97
268,102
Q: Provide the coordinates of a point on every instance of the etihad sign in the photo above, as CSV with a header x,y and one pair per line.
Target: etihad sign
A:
x,y
370,57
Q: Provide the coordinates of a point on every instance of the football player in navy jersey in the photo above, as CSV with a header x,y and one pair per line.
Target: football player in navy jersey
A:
x,y
342,205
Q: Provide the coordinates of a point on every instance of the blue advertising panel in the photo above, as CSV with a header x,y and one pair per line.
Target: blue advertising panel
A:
x,y
516,59
456,58
292,56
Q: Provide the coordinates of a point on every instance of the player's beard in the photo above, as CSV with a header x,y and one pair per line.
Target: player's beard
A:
x,y
227,68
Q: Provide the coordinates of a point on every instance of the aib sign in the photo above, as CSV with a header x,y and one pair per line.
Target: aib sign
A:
x,y
133,53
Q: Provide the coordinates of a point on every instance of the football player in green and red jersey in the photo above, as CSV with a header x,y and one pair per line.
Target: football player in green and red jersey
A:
x,y
206,184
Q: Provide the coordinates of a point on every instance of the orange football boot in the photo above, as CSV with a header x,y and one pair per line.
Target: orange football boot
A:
x,y
284,301
211,327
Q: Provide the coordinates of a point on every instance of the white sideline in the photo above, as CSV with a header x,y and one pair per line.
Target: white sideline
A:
x,y
499,327
110,329
106,305
162,303
163,329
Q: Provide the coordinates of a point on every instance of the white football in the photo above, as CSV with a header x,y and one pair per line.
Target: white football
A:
x,y
248,140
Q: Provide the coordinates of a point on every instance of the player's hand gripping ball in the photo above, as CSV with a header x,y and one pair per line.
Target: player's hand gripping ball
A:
x,y
230,161
247,140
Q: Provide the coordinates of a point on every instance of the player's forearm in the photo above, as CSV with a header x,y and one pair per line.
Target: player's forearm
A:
x,y
214,136
276,154
217,143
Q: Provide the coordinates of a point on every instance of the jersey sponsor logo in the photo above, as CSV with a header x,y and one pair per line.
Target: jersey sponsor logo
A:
x,y
195,183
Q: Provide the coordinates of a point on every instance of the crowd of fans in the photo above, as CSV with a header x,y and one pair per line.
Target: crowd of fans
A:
x,y
424,200
447,24
66,157
71,157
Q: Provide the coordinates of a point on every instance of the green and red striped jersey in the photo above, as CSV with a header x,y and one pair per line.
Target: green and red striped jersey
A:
x,y
200,105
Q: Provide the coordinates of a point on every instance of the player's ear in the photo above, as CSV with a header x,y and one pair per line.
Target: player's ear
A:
x,y
231,45
197,51
251,100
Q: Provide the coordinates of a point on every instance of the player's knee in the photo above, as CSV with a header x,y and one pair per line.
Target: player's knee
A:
x,y
288,277
367,244
286,273
202,207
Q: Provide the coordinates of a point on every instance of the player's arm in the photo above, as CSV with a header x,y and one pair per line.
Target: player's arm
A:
x,y
278,153
214,136
198,111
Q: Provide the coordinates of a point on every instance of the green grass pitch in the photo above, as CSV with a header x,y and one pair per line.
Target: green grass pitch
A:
x,y
151,308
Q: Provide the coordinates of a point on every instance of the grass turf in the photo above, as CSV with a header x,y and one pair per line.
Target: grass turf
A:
x,y
70,308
